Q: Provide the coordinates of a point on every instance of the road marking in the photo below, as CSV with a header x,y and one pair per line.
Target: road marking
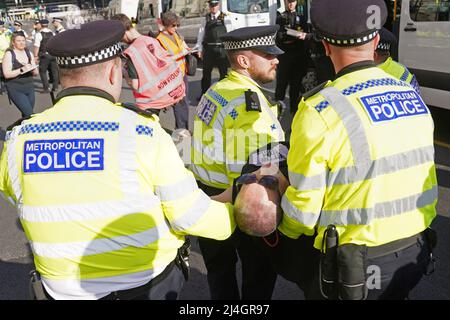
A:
x,y
442,144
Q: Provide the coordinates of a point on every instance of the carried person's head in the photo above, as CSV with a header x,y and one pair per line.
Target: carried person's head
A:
x,y
348,28
90,56
253,52
170,22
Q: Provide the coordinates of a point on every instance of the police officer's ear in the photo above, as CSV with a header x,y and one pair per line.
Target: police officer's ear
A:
x,y
326,45
243,61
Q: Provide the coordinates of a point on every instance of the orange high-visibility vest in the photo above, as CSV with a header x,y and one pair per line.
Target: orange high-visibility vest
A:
x,y
160,78
174,48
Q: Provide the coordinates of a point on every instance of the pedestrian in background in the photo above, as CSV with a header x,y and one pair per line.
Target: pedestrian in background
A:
x,y
174,43
5,41
19,67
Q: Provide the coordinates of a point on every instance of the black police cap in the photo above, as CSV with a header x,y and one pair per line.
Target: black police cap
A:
x,y
43,21
348,22
252,38
92,43
387,40
2,23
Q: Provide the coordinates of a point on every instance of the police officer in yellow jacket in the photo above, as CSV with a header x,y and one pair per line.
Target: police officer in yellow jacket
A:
x,y
383,59
104,217
361,164
233,119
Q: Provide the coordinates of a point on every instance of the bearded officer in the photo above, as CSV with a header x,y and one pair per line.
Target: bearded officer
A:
x,y
361,165
233,119
104,216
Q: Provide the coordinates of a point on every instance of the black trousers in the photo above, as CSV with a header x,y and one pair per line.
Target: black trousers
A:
x,y
290,72
213,58
391,276
48,63
220,257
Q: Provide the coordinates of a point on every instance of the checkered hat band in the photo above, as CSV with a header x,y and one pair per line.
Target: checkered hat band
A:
x,y
97,56
250,43
384,46
352,41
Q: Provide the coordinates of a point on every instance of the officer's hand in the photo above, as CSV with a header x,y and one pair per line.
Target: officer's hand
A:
x,y
199,54
302,36
226,196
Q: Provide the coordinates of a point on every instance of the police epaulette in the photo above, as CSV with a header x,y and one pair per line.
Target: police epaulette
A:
x,y
18,122
143,112
315,90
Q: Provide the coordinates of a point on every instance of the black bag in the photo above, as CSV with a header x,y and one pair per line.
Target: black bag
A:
x,y
191,65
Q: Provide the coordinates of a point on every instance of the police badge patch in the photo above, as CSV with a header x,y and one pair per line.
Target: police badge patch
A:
x,y
206,110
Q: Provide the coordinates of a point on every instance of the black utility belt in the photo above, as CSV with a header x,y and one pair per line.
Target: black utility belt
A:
x,y
394,246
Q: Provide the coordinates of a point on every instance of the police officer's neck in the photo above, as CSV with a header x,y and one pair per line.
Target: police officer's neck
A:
x,y
343,57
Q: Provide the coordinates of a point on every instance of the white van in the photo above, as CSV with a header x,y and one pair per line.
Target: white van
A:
x,y
424,46
248,13
62,11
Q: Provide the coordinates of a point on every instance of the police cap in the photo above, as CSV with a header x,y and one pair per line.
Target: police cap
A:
x,y
43,22
213,3
387,40
348,22
17,23
2,23
57,19
92,43
260,38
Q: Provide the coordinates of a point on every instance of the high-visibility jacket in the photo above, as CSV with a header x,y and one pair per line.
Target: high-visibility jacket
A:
x,y
160,78
5,42
225,133
362,158
176,49
399,71
103,196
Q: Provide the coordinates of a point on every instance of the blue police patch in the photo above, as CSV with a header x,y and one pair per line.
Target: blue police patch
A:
x,y
63,155
393,105
206,110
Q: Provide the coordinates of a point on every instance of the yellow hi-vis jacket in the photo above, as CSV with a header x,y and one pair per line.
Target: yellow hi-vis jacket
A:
x,y
103,196
399,71
176,48
362,158
225,133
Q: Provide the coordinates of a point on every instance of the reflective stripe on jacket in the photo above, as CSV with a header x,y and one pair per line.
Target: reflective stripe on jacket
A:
x,y
361,158
225,133
161,82
103,197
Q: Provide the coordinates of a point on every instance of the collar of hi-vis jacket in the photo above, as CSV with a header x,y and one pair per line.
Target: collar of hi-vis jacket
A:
x,y
84,91
248,82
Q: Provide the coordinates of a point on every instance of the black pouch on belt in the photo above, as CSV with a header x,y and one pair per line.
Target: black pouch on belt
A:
x,y
351,263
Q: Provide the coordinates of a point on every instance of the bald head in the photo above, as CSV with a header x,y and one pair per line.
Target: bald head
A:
x,y
257,210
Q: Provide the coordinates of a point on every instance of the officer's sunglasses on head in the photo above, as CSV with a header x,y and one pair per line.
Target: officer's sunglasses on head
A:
x,y
176,25
270,182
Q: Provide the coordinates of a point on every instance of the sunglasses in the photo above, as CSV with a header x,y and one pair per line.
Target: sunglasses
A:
x,y
176,25
270,182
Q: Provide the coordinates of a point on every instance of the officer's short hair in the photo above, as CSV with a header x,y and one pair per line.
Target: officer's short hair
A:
x,y
124,19
169,18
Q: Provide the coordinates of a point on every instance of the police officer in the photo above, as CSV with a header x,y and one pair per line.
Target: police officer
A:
x,y
383,59
210,46
233,119
47,63
104,216
18,28
361,164
57,24
294,62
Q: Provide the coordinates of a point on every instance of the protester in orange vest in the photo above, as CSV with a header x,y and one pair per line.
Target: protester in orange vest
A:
x,y
152,73
175,45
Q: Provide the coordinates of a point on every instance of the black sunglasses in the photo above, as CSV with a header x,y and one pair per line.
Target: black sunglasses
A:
x,y
176,25
270,182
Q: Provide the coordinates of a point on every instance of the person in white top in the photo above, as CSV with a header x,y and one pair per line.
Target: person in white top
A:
x,y
210,46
